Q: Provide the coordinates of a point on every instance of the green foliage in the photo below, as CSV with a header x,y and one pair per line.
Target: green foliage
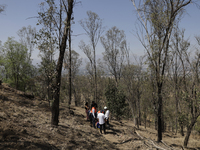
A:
x,y
197,127
17,64
116,100
183,120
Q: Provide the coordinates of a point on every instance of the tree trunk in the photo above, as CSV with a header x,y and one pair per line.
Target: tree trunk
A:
x,y
137,122
156,122
55,105
145,119
95,76
189,130
138,106
182,132
159,113
176,115
132,111
70,70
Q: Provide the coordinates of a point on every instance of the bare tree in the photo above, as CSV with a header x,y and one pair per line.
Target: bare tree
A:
x,y
178,47
158,19
55,106
190,92
133,78
75,64
58,19
114,43
93,28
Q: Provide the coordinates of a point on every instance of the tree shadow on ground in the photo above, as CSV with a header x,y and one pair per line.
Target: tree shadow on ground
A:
x,y
23,145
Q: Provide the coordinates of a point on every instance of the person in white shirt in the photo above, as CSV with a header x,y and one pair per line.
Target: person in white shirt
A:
x,y
101,119
107,113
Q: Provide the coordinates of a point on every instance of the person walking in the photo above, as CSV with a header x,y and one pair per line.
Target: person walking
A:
x,y
101,119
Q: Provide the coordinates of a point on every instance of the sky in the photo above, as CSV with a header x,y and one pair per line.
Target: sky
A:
x,y
119,13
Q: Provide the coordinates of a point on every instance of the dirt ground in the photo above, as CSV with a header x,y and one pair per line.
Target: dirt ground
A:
x,y
25,124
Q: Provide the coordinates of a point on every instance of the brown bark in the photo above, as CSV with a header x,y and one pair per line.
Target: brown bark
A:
x,y
55,105
159,115
189,130
70,70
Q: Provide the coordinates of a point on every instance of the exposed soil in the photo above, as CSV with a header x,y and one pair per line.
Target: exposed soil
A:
x,y
25,124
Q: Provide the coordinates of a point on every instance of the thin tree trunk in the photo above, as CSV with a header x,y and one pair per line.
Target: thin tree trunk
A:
x,y
156,122
132,111
145,118
70,70
189,130
182,132
95,75
159,115
176,115
138,106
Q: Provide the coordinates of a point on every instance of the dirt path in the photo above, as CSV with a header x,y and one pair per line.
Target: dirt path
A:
x,y
125,136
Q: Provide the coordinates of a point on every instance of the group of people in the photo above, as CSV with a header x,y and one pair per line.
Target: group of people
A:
x,y
98,119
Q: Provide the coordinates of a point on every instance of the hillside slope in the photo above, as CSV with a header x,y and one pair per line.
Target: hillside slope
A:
x,y
25,124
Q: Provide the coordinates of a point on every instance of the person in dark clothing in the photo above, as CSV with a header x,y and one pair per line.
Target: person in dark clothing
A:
x,y
90,114
87,110
93,116
92,105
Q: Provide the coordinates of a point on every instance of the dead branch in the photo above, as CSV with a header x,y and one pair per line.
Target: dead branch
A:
x,y
167,145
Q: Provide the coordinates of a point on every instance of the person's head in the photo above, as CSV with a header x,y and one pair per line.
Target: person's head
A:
x,y
86,103
102,111
95,105
92,102
105,108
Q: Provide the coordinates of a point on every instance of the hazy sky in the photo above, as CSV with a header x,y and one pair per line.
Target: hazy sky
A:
x,y
120,13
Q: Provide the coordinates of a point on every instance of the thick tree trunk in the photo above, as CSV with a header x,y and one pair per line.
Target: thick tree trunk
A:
x,y
55,105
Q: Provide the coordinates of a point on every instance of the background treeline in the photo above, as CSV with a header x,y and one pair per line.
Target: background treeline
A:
x,y
159,87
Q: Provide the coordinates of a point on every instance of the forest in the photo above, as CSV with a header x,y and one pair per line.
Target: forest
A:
x,y
160,89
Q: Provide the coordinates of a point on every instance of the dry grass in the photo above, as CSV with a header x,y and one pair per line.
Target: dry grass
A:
x,y
25,124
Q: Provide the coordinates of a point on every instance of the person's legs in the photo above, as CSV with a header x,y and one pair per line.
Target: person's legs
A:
x,y
108,121
93,120
104,128
88,115
101,128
